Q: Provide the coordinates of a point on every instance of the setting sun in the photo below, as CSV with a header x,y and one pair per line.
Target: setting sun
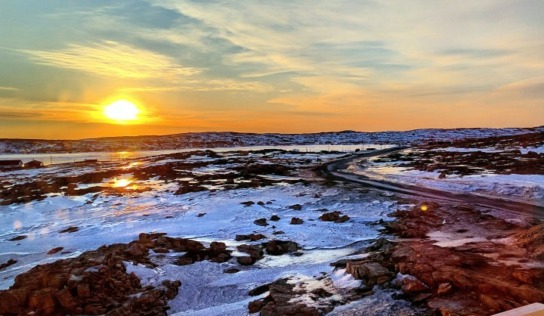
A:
x,y
122,111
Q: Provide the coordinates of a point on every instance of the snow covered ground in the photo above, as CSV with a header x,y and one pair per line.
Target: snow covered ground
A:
x,y
217,215
528,188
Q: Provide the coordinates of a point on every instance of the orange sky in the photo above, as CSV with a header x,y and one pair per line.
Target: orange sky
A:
x,y
256,66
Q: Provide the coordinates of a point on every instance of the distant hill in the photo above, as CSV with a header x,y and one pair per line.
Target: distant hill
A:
x,y
232,139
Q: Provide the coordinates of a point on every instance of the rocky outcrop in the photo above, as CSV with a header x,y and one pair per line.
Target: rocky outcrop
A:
x,y
94,283
442,276
278,302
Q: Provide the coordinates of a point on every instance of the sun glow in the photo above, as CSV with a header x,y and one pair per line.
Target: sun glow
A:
x,y
122,111
121,183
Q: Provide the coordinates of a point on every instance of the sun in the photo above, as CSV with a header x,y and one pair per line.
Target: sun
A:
x,y
122,111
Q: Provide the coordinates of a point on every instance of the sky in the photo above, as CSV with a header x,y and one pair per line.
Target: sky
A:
x,y
268,66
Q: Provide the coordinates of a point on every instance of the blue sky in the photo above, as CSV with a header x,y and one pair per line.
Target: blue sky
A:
x,y
262,66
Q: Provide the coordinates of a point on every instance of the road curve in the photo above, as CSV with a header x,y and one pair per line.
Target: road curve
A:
x,y
337,170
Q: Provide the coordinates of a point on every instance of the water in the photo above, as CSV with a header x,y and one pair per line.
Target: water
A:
x,y
56,158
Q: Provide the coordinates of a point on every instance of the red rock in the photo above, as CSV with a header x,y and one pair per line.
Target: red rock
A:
x,y
490,302
12,300
342,219
444,288
71,229
136,250
54,250
260,222
66,300
245,260
42,301
83,290
7,264
280,247
296,221
371,273
218,246
413,285
255,306
17,238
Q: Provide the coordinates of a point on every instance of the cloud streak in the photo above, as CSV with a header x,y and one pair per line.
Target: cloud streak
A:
x,y
113,59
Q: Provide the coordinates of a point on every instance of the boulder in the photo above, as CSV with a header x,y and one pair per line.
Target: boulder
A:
x,y
280,247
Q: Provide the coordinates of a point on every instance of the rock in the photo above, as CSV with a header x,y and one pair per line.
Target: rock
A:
x,y
490,302
96,282
413,285
280,247
42,301
65,299
83,290
17,238
231,270
245,260
261,203
444,289
172,288
342,219
54,250
247,203
12,300
296,207
371,273
7,264
71,229
296,221
260,222
251,237
136,250
255,306
217,246
275,218
255,253
259,290
201,214
330,217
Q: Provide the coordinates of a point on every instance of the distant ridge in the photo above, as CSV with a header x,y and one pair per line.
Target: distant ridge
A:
x,y
237,139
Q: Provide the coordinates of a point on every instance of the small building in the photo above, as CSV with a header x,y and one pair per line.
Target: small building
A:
x,y
10,164
34,164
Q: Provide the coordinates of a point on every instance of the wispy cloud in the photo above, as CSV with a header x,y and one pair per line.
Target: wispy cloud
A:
x,y
206,85
8,89
113,59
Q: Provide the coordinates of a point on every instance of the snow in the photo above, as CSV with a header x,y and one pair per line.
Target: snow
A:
x,y
448,240
523,150
524,188
111,218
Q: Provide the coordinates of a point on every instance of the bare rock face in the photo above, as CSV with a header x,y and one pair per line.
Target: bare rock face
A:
x,y
94,283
